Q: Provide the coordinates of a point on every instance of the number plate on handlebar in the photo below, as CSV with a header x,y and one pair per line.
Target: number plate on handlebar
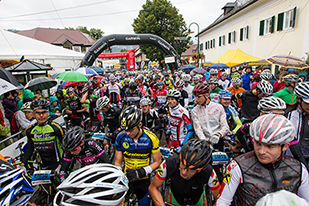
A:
x,y
98,136
219,158
41,177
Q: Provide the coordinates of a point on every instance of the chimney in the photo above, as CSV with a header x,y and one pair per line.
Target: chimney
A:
x,y
228,7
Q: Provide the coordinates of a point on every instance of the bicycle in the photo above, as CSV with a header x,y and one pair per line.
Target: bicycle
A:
x,y
106,140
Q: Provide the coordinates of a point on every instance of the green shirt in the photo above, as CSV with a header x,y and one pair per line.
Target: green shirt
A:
x,y
215,91
287,96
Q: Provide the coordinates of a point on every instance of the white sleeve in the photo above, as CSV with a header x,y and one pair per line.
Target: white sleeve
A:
x,y
197,126
232,178
303,190
186,101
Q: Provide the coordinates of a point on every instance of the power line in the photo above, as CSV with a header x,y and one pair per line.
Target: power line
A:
x,y
57,13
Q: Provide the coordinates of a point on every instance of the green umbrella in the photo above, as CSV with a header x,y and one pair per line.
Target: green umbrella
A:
x,y
72,76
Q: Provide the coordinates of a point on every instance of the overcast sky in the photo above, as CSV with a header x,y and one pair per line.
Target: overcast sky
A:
x,y
111,16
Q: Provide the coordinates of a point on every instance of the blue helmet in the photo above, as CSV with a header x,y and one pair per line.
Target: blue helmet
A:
x,y
160,83
15,189
225,94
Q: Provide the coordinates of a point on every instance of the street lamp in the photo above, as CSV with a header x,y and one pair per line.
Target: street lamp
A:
x,y
198,39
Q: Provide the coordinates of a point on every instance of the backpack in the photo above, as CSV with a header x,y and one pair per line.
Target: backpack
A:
x,y
14,127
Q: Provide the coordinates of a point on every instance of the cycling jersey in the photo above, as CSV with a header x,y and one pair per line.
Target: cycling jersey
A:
x,y
209,120
151,120
111,118
233,90
94,114
181,124
187,188
184,99
189,90
144,89
46,140
232,118
160,97
224,84
91,153
133,98
169,84
137,154
113,91
214,95
249,111
248,180
74,105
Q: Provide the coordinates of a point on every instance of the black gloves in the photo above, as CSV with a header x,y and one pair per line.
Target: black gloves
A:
x,y
134,175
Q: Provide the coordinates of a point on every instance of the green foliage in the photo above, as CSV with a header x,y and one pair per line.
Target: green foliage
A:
x,y
95,33
123,50
161,18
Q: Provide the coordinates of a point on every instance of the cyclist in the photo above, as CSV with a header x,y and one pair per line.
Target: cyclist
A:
x,y
189,172
224,82
96,184
287,93
114,90
236,89
25,117
209,118
184,98
213,73
143,87
85,151
214,92
125,88
91,99
168,81
232,116
135,146
14,186
250,100
255,174
180,120
150,116
111,116
75,108
133,95
45,137
196,80
187,87
160,94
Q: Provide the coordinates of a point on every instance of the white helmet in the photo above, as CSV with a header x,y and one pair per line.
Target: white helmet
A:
x,y
265,87
302,90
272,129
186,78
213,72
96,184
266,75
236,81
145,102
269,103
112,78
102,102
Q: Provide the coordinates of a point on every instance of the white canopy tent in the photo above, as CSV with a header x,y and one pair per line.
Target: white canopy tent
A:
x,y
14,46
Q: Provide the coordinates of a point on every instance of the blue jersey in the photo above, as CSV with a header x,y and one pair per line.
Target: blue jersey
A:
x,y
231,113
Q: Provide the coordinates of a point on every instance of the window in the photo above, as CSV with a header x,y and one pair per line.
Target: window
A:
x,y
267,26
220,40
232,37
286,20
201,47
206,45
244,33
213,43
223,40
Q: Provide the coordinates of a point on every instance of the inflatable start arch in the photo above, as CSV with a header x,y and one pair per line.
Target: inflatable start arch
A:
x,y
129,39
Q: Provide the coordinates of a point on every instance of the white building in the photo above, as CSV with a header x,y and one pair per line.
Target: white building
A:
x,y
262,28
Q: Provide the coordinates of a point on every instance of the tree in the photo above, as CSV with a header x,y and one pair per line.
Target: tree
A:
x,y
161,18
95,33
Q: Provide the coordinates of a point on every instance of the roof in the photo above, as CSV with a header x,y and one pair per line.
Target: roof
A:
x,y
189,51
58,36
28,65
222,17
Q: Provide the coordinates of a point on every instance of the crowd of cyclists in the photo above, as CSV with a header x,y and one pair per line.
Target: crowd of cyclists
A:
x,y
261,118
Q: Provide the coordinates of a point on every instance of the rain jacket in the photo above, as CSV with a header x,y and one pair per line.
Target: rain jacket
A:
x,y
287,96
10,108
26,93
303,74
52,110
62,100
246,80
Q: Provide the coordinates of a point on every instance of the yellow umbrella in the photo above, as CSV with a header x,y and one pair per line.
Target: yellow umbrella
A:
x,y
235,57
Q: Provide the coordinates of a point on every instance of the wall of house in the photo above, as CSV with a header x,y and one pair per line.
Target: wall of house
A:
x,y
294,39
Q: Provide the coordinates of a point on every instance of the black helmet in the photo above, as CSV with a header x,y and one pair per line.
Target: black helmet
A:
x,y
72,138
39,104
132,86
130,117
203,156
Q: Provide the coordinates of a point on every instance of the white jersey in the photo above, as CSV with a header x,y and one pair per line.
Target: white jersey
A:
x,y
224,83
209,120
189,90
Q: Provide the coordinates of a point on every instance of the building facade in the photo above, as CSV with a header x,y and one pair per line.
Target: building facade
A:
x,y
262,28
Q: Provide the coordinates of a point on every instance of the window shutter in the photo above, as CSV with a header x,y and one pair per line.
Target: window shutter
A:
x,y
214,43
280,22
247,35
294,18
241,34
262,27
201,47
234,36
211,44
272,24
208,44
223,40
230,37
219,40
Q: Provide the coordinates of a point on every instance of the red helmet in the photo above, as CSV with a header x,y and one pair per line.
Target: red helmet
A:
x,y
201,88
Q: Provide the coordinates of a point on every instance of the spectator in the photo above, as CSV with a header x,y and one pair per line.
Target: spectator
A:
x,y
26,94
279,85
234,72
62,99
15,95
257,79
54,108
303,76
246,78
9,105
291,71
